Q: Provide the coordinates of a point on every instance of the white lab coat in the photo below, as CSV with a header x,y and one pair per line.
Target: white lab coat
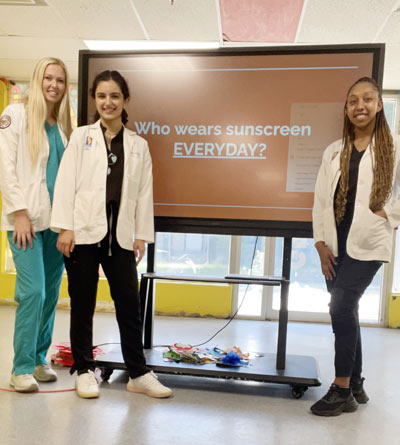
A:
x,y
370,236
79,202
23,186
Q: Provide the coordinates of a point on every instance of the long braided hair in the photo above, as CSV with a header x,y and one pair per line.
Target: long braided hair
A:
x,y
383,155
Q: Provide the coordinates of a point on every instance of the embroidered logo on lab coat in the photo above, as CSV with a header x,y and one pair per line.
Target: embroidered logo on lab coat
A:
x,y
88,142
334,155
5,121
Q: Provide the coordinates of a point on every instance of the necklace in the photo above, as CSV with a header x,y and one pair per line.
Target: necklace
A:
x,y
109,136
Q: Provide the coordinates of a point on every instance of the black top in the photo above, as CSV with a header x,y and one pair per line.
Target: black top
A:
x,y
115,174
115,169
352,190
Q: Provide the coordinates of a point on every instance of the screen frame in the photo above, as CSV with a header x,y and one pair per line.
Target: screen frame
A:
x,y
220,226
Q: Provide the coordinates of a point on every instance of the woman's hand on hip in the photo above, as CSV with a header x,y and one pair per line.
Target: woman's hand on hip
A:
x,y
23,230
328,260
139,250
66,242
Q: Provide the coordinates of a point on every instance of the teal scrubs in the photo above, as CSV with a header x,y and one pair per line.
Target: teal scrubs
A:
x,y
39,275
55,154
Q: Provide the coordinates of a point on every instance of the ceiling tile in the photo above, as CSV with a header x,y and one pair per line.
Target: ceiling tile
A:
x,y
33,21
343,21
260,20
186,20
100,19
391,31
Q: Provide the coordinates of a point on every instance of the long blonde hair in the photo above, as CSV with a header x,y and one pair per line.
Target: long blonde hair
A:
x,y
36,108
383,155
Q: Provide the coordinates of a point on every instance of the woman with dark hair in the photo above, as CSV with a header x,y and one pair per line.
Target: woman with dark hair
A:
x,y
356,208
103,209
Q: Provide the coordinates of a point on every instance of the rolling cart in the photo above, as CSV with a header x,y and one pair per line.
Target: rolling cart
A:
x,y
297,371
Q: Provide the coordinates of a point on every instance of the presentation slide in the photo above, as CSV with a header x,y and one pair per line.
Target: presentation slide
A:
x,y
237,136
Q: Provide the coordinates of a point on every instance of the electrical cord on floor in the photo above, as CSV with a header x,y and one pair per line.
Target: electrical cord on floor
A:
x,y
35,392
240,305
40,391
226,324
236,312
105,344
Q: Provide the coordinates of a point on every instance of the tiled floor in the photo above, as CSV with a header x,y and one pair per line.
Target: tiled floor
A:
x,y
205,410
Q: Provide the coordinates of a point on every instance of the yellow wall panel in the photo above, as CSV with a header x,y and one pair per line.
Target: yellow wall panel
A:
x,y
193,299
3,94
394,311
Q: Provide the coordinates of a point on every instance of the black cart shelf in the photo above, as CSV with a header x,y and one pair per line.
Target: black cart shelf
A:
x,y
300,372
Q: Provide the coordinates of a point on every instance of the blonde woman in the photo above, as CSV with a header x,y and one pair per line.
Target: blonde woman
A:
x,y
33,137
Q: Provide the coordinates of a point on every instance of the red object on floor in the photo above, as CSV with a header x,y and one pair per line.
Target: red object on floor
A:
x,y
64,355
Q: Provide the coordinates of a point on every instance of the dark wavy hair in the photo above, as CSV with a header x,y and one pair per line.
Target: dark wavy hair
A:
x,y
104,76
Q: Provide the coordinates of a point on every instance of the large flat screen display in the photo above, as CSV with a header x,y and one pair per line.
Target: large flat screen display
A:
x,y
235,134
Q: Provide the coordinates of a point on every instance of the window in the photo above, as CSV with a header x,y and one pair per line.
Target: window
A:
x,y
390,107
308,289
307,286
192,254
252,255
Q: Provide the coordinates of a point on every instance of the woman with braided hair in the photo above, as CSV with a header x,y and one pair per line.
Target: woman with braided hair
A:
x,y
356,208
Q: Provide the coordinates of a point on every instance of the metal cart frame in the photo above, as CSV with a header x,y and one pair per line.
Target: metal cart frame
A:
x,y
300,372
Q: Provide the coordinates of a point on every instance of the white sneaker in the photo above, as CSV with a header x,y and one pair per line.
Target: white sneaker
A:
x,y
24,383
44,373
87,386
149,384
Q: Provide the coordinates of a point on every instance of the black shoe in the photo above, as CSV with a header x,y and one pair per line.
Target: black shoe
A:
x,y
336,401
357,388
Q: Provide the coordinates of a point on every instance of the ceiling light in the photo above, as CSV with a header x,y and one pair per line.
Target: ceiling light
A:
x,y
147,45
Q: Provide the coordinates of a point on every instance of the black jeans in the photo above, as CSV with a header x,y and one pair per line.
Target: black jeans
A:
x,y
83,275
352,278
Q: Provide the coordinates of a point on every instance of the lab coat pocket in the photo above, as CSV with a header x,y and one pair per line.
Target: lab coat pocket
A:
x,y
373,231
83,211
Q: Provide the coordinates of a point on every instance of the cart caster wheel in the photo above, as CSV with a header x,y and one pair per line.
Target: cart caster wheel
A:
x,y
298,391
106,374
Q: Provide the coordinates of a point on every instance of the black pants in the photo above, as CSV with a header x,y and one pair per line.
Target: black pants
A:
x,y
346,289
83,275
